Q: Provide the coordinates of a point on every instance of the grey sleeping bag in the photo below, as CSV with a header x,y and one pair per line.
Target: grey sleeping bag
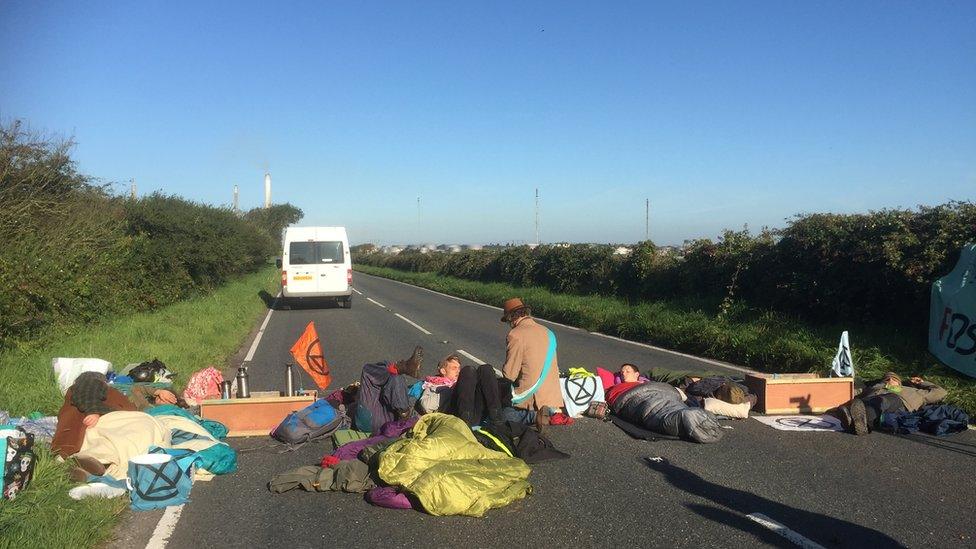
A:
x,y
658,407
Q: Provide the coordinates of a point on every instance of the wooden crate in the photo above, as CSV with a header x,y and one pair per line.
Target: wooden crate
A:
x,y
255,416
798,393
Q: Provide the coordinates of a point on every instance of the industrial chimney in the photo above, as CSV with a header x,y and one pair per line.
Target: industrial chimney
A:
x,y
267,190
236,200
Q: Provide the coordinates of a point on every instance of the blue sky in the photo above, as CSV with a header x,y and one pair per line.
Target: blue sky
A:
x,y
721,113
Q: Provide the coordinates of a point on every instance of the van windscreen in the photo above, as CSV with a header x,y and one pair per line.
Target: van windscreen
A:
x,y
313,253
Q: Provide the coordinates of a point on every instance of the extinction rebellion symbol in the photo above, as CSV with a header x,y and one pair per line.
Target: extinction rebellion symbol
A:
x,y
316,361
581,390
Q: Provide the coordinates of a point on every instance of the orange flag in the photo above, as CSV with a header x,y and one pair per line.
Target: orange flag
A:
x,y
308,353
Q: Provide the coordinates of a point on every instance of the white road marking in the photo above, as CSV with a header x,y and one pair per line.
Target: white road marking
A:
x,y
782,530
257,338
478,361
375,302
164,528
357,291
669,351
412,323
645,345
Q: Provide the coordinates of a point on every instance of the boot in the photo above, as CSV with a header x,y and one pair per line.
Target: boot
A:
x,y
85,466
859,417
542,420
411,366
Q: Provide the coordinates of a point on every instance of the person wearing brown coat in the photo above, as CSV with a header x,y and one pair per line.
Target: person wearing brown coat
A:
x,y
527,346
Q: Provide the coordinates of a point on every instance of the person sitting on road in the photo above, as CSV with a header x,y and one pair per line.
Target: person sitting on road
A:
x,y
86,401
887,396
434,393
531,363
382,395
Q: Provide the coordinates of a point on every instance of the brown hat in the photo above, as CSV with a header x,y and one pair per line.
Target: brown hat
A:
x,y
510,307
892,376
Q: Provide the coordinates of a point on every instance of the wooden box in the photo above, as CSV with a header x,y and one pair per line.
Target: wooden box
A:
x,y
798,393
255,416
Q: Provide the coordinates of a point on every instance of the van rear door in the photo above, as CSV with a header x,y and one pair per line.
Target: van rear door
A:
x,y
303,268
332,271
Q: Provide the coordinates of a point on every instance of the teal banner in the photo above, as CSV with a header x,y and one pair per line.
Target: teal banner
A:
x,y
952,317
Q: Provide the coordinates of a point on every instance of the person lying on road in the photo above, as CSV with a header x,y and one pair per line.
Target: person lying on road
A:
x,y
382,394
887,396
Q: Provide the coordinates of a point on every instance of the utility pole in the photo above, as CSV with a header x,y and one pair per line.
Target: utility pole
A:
x,y
647,219
418,217
537,216
132,189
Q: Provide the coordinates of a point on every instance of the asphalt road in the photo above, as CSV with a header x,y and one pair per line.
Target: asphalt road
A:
x,y
832,488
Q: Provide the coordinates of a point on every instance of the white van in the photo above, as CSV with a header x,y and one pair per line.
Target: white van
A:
x,y
315,262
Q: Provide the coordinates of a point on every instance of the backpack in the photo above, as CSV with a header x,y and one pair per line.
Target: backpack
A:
x,y
317,420
16,460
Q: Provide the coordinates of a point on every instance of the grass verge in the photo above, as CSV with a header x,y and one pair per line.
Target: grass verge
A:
x,y
186,336
763,340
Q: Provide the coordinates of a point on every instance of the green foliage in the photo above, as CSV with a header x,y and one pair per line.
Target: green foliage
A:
x,y
272,221
874,267
73,252
764,340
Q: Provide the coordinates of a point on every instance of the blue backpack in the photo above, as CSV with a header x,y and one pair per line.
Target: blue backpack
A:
x,y
317,420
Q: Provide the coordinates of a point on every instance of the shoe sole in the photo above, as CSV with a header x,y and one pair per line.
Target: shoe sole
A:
x,y
859,418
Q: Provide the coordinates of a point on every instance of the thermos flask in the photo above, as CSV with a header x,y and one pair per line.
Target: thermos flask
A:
x,y
243,391
289,380
225,389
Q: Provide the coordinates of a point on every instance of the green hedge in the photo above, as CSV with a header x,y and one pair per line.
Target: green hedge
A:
x,y
824,267
74,252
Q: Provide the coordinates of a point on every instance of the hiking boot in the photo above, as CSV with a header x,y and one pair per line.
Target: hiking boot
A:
x,y
542,420
859,417
842,413
77,474
411,366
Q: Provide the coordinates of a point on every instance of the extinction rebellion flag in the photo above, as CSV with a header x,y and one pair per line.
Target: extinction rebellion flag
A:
x,y
308,353
952,319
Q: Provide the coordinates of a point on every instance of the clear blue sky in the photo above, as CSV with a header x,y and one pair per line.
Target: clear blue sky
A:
x,y
723,114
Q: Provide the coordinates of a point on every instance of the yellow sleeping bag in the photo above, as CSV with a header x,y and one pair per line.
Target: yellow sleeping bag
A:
x,y
450,472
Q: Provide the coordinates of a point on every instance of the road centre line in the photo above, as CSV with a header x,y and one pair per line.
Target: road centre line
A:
x,y
412,323
257,338
478,361
375,302
358,292
645,345
164,528
782,530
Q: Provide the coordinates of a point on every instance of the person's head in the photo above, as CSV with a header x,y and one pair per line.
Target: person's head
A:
x,y
891,378
449,367
629,373
514,310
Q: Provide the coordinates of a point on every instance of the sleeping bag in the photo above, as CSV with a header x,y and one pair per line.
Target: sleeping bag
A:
x,y
449,472
658,407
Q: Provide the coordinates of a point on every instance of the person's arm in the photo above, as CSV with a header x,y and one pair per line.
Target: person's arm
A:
x,y
117,401
513,358
931,392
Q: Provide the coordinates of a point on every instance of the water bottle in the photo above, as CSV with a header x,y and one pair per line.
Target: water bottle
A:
x,y
243,391
289,380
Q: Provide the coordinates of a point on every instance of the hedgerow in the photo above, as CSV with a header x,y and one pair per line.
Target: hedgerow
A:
x,y
73,251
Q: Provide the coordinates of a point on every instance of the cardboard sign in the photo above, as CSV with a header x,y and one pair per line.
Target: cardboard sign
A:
x,y
578,392
952,317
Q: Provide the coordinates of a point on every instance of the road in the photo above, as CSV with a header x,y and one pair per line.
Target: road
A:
x,y
832,488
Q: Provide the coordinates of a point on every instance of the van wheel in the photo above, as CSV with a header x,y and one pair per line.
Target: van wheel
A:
x,y
347,303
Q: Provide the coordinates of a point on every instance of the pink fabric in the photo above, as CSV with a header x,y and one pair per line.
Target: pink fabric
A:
x,y
389,497
606,377
438,381
203,384
329,461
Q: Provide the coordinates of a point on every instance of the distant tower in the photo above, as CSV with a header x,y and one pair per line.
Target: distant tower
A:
x,y
236,200
537,216
647,219
267,190
132,189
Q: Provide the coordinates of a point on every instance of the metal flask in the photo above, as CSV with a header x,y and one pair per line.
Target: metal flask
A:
x,y
225,389
243,391
289,379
